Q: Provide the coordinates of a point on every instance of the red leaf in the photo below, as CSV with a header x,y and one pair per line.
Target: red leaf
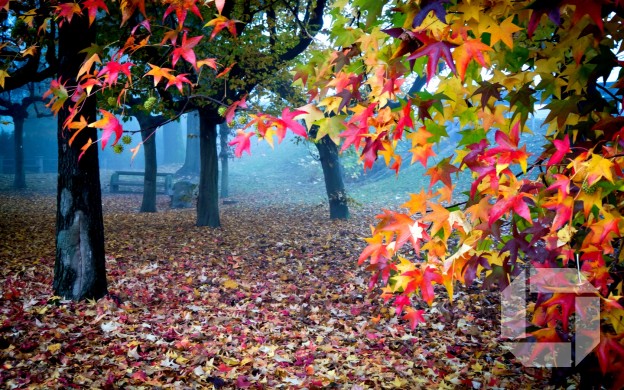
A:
x,y
414,317
178,81
181,9
562,147
404,121
92,7
231,110
112,69
185,50
109,125
242,142
288,118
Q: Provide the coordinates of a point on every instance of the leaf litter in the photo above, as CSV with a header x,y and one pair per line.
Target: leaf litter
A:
x,y
274,299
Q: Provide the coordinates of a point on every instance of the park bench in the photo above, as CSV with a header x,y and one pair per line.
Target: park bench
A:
x,y
162,186
34,165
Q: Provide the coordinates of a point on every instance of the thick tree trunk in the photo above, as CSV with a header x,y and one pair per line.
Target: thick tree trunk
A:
x,y
224,132
191,161
147,123
208,198
19,181
332,171
79,269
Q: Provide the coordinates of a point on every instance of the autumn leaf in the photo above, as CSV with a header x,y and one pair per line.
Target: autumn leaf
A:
x,y
225,71
442,172
178,81
231,110
88,64
111,72
185,50
502,32
181,9
437,6
242,142
221,22
488,90
92,7
66,11
562,147
109,125
158,73
543,8
3,76
58,95
209,62
414,317
434,50
471,49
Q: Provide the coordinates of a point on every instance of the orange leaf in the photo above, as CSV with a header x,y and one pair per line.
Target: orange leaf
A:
x,y
472,49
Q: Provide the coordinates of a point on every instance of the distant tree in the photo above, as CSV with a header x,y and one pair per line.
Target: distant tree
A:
x,y
269,36
191,157
149,123
224,155
16,104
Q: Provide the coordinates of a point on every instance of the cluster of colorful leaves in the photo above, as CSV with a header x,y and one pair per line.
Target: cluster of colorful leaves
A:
x,y
493,63
111,68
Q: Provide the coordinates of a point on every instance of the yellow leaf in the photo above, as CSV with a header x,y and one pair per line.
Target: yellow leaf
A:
x,y
29,51
181,360
477,367
86,66
230,361
3,75
54,347
503,32
312,114
229,283
597,168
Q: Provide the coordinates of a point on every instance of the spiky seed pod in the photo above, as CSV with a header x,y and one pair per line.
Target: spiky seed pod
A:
x,y
149,103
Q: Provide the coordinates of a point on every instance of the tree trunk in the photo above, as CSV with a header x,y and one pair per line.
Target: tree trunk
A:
x,y
208,197
173,147
191,161
19,181
147,123
224,132
79,269
332,171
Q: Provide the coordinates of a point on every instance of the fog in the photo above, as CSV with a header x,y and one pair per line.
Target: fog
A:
x,y
290,168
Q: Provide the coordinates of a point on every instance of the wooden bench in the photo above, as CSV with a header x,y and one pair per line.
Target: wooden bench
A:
x,y
162,186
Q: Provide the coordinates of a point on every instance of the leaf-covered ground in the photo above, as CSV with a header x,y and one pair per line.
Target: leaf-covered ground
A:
x,y
274,299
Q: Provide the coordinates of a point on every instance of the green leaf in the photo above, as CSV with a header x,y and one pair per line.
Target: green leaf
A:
x,y
437,131
471,136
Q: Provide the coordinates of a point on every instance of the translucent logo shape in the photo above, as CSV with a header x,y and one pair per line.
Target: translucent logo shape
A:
x,y
548,353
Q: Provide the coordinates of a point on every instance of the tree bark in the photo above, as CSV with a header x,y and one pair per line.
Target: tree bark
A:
x,y
19,181
191,161
208,197
79,269
332,172
224,132
148,123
